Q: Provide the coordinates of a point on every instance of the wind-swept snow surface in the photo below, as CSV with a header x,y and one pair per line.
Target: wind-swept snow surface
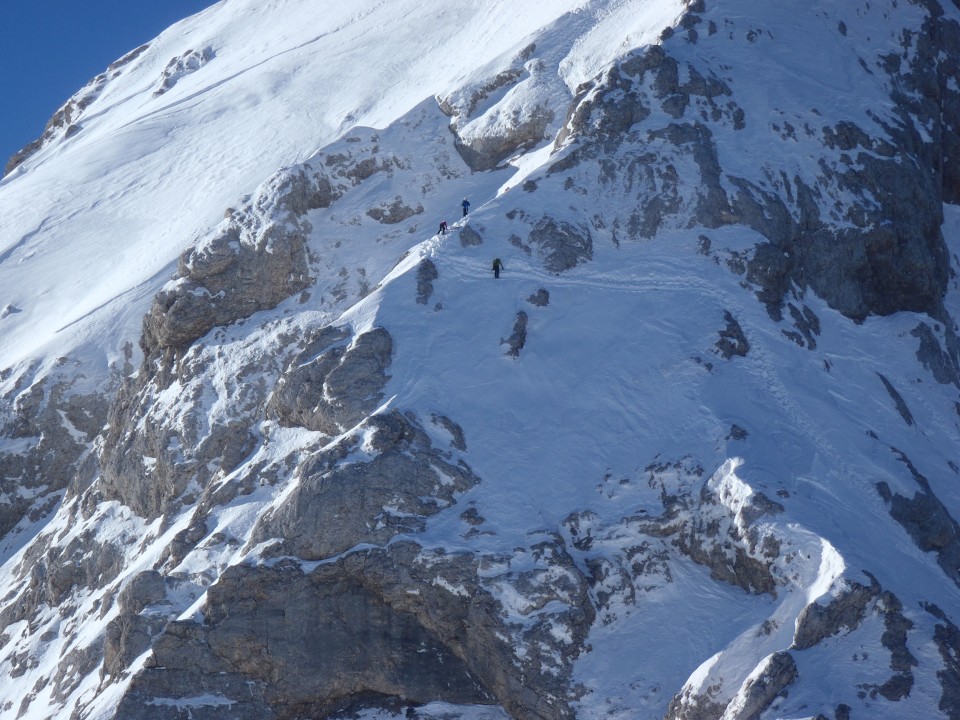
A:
x,y
692,454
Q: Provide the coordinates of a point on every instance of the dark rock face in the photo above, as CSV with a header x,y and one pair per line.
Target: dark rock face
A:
x,y
470,237
331,385
518,338
179,67
941,359
254,261
762,689
490,149
426,274
337,506
888,254
897,400
947,638
732,340
54,423
926,519
311,643
562,246
847,610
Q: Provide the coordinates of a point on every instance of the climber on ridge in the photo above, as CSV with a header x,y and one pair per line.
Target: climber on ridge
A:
x,y
443,227
466,206
497,267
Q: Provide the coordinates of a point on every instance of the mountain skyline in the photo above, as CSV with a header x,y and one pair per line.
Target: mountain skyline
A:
x,y
51,49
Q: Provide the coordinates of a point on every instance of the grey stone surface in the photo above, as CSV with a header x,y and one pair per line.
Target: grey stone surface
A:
x,y
779,672
561,245
345,634
518,338
927,520
846,610
336,506
897,400
947,639
732,340
941,359
253,261
334,389
469,237
889,256
426,274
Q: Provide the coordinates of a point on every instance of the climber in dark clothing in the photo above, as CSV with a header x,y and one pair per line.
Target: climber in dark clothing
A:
x,y
443,227
466,206
497,267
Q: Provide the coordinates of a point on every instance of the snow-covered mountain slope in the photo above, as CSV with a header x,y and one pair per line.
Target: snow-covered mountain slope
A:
x,y
692,455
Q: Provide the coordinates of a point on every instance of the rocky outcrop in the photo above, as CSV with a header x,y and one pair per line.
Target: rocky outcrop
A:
x,y
179,67
253,261
130,634
845,611
337,505
732,340
65,122
502,115
426,273
49,425
863,231
332,384
561,245
396,623
765,684
926,519
518,338
947,638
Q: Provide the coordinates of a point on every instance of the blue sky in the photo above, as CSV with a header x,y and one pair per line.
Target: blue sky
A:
x,y
49,49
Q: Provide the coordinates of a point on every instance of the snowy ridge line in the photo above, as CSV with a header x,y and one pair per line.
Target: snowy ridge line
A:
x,y
815,567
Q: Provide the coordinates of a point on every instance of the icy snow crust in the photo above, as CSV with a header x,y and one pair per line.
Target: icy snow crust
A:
x,y
619,370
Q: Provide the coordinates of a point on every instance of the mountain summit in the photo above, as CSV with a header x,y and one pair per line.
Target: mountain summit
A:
x,y
275,444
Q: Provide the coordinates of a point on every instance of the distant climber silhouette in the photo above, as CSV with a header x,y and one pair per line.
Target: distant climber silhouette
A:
x,y
466,206
443,227
497,267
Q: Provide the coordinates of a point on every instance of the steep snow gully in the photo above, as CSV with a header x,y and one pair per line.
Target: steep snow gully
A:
x,y
273,448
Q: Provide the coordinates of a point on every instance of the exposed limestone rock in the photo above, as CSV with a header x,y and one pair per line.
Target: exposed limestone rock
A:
x,y
706,536
486,151
253,261
394,212
846,610
180,67
52,423
902,661
689,705
732,340
890,256
144,589
518,337
943,361
426,274
457,438
336,506
378,640
926,519
763,686
562,246
469,237
127,637
332,385
947,637
897,400
541,298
